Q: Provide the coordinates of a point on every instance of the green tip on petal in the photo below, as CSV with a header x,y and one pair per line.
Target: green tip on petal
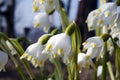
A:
x,y
70,29
43,39
105,36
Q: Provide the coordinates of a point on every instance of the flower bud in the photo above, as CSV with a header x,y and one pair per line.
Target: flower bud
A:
x,y
43,39
105,36
70,29
54,31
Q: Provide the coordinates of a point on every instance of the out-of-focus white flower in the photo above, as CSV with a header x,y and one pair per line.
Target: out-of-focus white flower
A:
x,y
115,32
44,5
3,60
13,51
110,47
49,79
48,5
99,71
108,14
83,61
104,16
94,46
59,46
42,20
34,54
92,19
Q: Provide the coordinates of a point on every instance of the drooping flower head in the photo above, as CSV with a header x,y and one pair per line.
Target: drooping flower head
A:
x,y
108,14
34,52
49,6
59,45
94,46
42,20
3,60
104,16
92,19
83,61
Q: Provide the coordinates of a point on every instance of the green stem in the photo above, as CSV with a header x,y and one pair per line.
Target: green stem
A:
x,y
58,68
5,48
76,43
24,62
109,66
95,72
117,63
104,62
69,73
64,17
26,65
117,59
98,31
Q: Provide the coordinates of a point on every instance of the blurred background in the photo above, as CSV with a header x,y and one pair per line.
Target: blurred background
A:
x,y
16,19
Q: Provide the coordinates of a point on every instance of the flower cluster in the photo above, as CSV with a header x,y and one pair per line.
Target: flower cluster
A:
x,y
50,47
106,15
94,47
44,8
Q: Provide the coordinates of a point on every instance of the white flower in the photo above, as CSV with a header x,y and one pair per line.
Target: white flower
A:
x,y
83,61
108,14
99,70
34,54
94,52
48,5
104,16
3,60
59,45
92,19
13,51
94,46
110,46
115,32
42,20
44,5
117,21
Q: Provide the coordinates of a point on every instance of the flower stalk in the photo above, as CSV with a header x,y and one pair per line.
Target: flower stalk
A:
x,y
6,49
19,51
58,68
104,62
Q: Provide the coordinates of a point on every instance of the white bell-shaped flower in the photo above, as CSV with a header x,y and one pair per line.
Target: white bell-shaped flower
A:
x,y
3,60
83,61
94,52
34,54
42,20
93,42
59,46
92,19
48,5
108,14
13,51
94,46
